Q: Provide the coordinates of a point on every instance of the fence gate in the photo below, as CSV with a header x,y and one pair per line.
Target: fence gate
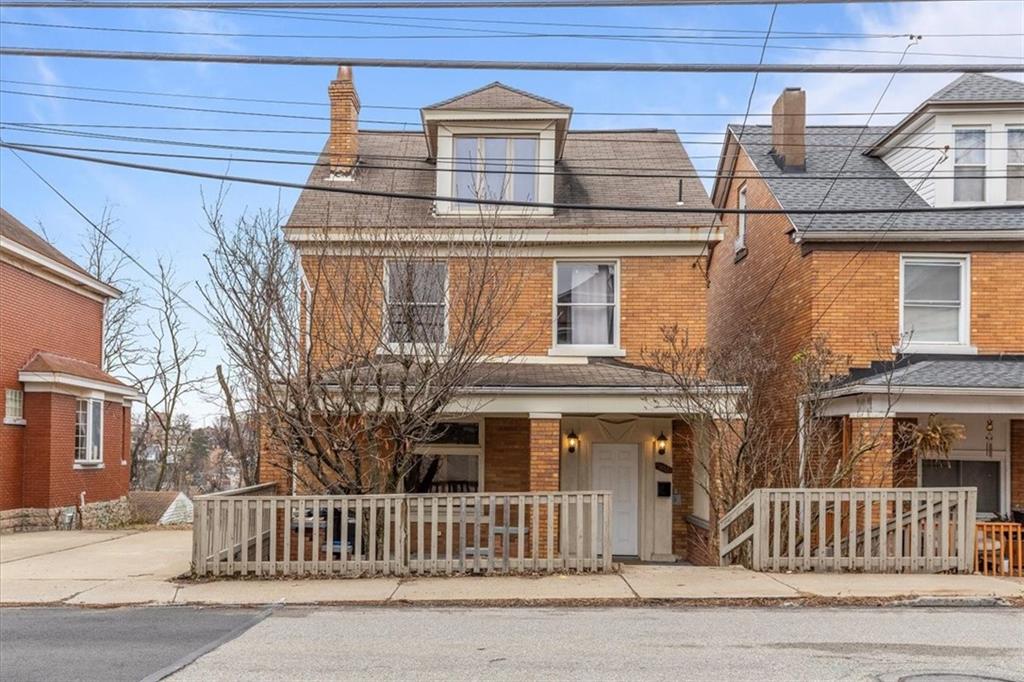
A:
x,y
873,530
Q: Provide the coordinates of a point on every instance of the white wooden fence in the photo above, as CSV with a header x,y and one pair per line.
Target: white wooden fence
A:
x,y
874,530
435,534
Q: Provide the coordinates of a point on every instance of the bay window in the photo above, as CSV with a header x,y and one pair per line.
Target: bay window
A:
x,y
1015,164
586,306
969,159
416,310
934,300
498,168
88,431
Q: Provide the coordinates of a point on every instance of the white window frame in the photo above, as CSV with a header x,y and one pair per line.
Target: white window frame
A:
x,y
740,244
963,345
92,458
399,347
1009,128
14,407
613,349
478,450
510,165
1000,456
983,166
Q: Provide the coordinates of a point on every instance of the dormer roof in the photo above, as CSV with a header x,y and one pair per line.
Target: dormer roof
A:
x,y
499,103
498,97
975,90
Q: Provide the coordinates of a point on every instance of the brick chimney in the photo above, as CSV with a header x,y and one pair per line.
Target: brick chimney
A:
x,y
343,143
789,124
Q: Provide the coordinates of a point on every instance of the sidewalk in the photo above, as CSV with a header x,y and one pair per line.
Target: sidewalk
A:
x,y
132,567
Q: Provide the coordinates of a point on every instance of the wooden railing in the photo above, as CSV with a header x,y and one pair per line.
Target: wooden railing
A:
x,y
999,549
436,534
874,530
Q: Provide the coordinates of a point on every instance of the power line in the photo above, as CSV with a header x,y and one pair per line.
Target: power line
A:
x,y
521,167
321,103
599,67
483,34
589,136
397,4
337,189
103,233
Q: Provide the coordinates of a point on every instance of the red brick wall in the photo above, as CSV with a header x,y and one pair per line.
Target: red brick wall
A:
x,y
682,485
36,314
50,478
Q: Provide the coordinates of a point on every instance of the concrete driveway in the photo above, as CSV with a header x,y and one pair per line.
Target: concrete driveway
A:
x,y
93,567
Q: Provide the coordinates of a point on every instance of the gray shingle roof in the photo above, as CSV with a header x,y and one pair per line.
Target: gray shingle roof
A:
x,y
979,373
828,154
979,87
498,96
597,373
625,150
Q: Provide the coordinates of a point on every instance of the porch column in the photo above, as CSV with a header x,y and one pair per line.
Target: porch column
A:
x,y
682,487
545,451
1016,463
869,442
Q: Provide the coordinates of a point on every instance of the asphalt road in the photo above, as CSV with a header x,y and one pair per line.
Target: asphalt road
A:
x,y
55,643
883,645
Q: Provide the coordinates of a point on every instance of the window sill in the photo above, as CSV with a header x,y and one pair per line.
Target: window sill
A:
x,y
589,351
14,421
741,253
88,465
935,349
411,349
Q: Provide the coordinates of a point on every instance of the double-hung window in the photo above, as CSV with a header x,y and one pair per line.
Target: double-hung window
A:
x,y
88,431
586,307
416,302
451,459
497,168
14,406
935,295
741,221
1015,164
969,159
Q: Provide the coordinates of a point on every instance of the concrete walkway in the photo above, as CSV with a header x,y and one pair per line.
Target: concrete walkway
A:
x,y
133,567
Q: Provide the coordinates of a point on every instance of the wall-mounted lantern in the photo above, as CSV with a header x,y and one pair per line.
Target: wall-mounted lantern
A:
x,y
662,443
574,440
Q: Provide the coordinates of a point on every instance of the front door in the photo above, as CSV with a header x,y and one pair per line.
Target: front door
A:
x,y
616,467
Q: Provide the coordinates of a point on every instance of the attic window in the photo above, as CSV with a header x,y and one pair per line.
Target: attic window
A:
x,y
496,168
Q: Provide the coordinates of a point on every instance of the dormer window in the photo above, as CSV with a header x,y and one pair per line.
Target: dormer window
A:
x,y
496,167
969,164
495,143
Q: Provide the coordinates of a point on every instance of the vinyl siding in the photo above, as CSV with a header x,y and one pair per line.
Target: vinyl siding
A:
x,y
913,163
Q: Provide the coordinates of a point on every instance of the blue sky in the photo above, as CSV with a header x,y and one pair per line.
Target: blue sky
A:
x,y
160,215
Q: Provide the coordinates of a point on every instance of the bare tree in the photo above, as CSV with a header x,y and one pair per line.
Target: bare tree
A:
x,y
121,344
358,350
237,432
777,431
163,373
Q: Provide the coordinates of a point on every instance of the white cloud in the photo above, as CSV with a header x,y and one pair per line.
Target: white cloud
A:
x,y
931,20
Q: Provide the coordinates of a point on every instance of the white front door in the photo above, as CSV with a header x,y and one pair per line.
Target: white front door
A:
x,y
616,467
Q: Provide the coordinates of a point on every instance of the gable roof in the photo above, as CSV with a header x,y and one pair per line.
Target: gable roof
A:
x,y
388,164
828,154
16,231
497,96
968,89
980,87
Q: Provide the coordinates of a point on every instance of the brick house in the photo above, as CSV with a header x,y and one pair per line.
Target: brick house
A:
x,y
65,436
572,407
940,293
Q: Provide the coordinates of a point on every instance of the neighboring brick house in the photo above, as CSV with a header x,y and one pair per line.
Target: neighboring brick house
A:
x,y
64,440
941,292
599,286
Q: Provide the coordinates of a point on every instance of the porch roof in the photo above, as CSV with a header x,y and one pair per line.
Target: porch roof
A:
x,y
982,373
595,373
